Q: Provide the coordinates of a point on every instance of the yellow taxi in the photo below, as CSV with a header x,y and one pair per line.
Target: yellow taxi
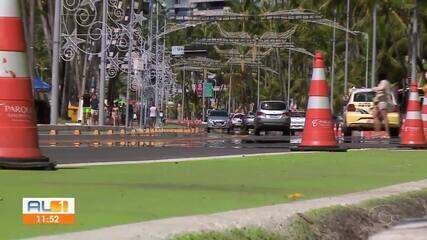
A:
x,y
358,114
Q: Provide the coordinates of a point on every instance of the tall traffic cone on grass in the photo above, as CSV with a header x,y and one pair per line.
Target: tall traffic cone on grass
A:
x,y
318,132
18,131
412,134
424,112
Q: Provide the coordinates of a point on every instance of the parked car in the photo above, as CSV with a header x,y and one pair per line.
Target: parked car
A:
x,y
358,113
249,121
237,120
218,119
272,116
297,121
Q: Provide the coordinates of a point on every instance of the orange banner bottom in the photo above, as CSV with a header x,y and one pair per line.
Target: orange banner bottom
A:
x,y
47,219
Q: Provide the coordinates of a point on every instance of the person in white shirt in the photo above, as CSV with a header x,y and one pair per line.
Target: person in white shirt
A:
x,y
382,103
153,116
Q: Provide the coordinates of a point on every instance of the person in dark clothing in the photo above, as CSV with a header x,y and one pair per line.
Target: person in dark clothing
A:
x,y
94,109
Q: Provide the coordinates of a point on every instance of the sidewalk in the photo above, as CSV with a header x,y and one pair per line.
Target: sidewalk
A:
x,y
270,217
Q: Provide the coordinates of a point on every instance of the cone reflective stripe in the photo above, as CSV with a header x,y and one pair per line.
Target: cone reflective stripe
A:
x,y
18,131
412,134
318,85
319,127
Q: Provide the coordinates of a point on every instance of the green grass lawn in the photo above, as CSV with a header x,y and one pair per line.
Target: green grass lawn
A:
x,y
111,195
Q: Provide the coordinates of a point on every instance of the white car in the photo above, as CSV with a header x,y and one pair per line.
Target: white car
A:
x,y
237,120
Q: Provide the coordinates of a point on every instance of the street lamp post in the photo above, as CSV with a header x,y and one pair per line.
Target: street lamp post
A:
x,y
258,82
334,36
130,63
289,77
346,49
183,94
229,89
414,44
103,63
54,101
366,37
374,44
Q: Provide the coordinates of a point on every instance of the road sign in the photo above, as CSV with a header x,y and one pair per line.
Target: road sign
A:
x,y
178,50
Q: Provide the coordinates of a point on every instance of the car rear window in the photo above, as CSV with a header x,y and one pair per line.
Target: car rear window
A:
x,y
364,97
218,114
273,106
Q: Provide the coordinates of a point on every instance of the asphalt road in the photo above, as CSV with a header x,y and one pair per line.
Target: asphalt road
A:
x,y
89,149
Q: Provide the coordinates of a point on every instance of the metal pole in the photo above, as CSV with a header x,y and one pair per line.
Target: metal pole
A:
x,y
289,77
130,68
150,49
156,89
414,44
54,101
334,42
258,82
103,62
229,89
183,94
367,60
374,44
203,95
346,49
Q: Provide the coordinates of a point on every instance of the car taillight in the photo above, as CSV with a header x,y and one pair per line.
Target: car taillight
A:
x,y
396,108
351,108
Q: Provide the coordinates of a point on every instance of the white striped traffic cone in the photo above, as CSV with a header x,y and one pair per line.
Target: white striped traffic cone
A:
x,y
18,131
412,132
319,125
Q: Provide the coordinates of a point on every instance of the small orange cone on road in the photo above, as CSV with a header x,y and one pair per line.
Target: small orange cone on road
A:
x,y
412,134
19,148
319,132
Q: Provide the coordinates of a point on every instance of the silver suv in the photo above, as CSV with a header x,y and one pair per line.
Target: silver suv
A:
x,y
218,119
272,116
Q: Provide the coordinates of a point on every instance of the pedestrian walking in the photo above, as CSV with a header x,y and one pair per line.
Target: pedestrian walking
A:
x,y
94,109
382,104
115,115
153,116
162,117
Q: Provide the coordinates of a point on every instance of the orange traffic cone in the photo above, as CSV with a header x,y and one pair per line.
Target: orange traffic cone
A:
x,y
424,112
412,130
318,132
19,147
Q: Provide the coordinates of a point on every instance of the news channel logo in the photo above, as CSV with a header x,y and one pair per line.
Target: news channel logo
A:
x,y
48,211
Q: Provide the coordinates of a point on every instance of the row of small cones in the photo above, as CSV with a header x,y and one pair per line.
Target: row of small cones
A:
x,y
134,132
320,132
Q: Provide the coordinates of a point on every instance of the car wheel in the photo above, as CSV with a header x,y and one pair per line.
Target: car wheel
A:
x,y
208,130
394,132
257,132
